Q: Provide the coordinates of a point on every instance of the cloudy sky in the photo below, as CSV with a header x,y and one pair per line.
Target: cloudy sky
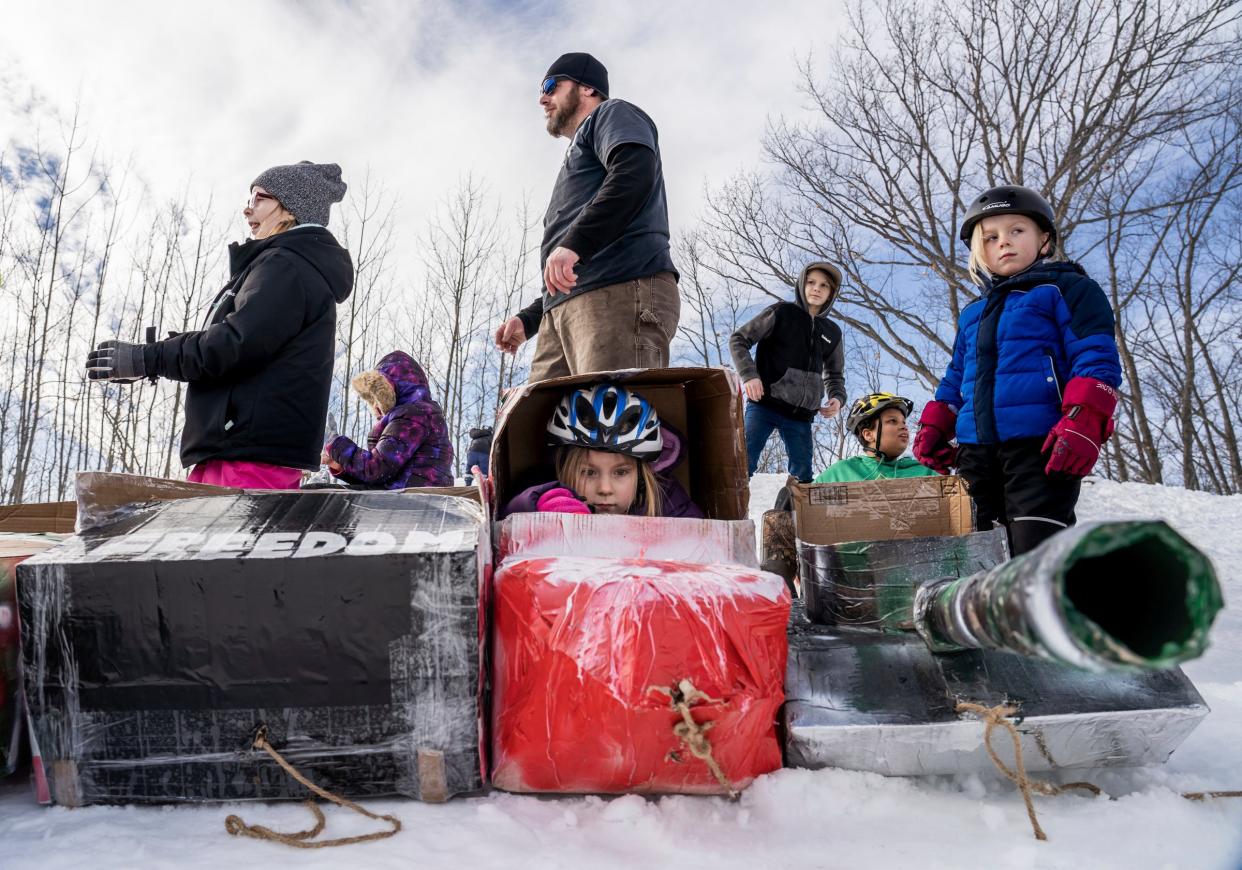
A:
x,y
421,92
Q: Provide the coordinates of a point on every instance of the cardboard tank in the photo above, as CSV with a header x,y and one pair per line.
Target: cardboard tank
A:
x,y
159,639
906,612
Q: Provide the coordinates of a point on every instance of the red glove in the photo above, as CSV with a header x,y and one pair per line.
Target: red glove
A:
x,y
561,501
1075,441
937,426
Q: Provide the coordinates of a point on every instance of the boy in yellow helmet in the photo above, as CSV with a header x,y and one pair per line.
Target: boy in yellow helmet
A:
x,y
878,420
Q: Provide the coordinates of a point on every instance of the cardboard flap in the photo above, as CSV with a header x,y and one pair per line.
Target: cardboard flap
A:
x,y
873,510
101,493
48,516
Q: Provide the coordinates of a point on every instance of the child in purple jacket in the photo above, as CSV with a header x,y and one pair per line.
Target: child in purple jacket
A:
x,y
409,446
610,458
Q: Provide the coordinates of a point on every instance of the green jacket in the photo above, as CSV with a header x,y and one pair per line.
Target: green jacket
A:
x,y
869,468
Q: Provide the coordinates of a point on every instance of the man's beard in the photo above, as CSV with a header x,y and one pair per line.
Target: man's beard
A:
x,y
559,119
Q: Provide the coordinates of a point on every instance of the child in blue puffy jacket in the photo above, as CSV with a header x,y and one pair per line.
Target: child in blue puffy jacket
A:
x,y
1030,391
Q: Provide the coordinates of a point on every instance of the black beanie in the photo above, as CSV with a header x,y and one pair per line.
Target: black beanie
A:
x,y
305,189
583,69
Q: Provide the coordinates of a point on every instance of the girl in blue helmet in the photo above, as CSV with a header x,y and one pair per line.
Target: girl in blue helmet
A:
x,y
1030,391
611,452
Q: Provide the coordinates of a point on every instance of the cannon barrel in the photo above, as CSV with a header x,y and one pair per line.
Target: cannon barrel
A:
x,y
1101,596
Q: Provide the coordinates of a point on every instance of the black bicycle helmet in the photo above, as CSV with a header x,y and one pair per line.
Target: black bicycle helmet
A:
x,y
1010,199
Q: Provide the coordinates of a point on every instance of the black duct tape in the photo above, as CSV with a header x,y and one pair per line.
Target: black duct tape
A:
x,y
346,623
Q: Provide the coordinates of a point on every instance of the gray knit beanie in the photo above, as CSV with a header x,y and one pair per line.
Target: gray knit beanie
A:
x,y
305,189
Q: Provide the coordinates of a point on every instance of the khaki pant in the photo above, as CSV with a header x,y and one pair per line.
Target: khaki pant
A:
x,y
621,326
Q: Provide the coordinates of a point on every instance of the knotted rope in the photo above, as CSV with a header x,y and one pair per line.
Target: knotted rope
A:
x,y
303,839
694,734
994,716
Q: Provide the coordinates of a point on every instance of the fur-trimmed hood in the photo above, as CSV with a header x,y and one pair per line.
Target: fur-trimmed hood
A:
x,y
396,380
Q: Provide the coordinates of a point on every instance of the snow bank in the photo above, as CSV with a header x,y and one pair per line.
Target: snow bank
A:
x,y
792,818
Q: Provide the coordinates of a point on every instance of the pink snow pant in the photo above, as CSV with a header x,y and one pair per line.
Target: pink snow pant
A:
x,y
245,475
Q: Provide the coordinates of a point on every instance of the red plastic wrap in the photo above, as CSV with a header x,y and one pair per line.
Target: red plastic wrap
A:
x,y
582,647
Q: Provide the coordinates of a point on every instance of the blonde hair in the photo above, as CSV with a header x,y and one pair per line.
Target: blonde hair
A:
x,y
571,462
976,266
287,224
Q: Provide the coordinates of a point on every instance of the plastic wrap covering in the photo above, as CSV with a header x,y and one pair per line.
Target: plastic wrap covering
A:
x,y
14,548
347,623
1101,596
584,654
602,536
871,584
103,496
885,703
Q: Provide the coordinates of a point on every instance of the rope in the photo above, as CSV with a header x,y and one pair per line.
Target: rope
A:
x,y
994,716
301,839
694,734
1204,795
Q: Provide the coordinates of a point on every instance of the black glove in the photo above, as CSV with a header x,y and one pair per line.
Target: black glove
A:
x,y
117,361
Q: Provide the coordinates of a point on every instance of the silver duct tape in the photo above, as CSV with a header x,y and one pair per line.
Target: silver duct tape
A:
x,y
886,704
872,584
1100,596
1049,743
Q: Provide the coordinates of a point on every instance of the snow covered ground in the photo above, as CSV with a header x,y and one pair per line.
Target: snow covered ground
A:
x,y
793,818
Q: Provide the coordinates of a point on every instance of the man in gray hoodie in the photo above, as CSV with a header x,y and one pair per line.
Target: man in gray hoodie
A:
x,y
799,360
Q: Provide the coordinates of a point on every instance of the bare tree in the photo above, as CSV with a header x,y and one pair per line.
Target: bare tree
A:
x,y
460,248
367,230
1100,104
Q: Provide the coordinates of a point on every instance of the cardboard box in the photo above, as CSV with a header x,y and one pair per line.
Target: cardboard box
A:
x,y
50,516
348,623
875,510
587,651
704,404
101,494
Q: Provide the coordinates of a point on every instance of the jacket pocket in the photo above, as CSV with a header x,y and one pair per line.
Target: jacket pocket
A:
x,y
227,424
239,411
1050,377
799,388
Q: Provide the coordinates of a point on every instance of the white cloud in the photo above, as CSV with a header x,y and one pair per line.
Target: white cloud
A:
x,y
422,92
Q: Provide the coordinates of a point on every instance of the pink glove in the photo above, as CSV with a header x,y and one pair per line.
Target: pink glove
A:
x,y
561,501
1075,441
937,426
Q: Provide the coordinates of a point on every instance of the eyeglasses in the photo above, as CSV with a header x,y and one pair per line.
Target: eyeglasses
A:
x,y
256,198
549,84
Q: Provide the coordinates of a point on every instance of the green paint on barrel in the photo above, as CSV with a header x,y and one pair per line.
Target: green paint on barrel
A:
x,y
1140,594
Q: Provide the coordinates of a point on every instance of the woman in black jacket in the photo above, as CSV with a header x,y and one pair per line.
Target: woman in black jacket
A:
x,y
260,369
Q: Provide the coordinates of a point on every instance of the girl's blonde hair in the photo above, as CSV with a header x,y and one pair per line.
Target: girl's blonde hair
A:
x,y
976,267
571,461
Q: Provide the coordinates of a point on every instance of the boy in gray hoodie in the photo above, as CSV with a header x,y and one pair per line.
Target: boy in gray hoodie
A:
x,y
799,360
